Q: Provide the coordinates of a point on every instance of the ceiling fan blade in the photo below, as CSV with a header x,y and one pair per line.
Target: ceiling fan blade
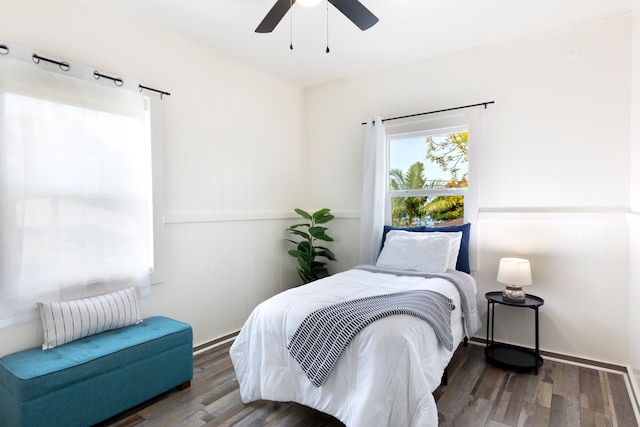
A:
x,y
274,16
356,12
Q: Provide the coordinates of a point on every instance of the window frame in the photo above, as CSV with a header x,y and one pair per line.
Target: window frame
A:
x,y
155,129
39,85
425,192
439,123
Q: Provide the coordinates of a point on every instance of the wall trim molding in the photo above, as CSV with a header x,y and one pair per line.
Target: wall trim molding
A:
x,y
618,214
210,345
197,217
633,374
484,214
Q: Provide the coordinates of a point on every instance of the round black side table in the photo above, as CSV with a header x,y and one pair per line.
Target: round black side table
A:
x,y
507,355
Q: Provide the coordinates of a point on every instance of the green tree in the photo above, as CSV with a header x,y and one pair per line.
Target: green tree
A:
x,y
449,154
410,210
447,208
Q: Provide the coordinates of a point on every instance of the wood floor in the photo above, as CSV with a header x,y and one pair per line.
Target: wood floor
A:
x,y
562,395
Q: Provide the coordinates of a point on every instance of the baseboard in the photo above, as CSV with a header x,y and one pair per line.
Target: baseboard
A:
x,y
569,359
635,388
474,340
215,343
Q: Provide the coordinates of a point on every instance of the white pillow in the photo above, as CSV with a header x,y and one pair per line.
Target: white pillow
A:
x,y
428,252
456,240
68,321
454,236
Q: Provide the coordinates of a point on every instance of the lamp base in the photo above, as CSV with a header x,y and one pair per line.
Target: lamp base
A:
x,y
514,294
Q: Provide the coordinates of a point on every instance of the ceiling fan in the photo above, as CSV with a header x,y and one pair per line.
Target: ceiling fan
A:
x,y
352,9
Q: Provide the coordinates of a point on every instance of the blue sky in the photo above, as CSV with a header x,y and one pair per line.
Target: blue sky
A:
x,y
405,152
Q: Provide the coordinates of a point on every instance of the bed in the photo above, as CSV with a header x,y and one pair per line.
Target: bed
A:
x,y
386,373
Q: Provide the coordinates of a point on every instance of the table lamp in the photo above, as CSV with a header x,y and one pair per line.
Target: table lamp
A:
x,y
514,273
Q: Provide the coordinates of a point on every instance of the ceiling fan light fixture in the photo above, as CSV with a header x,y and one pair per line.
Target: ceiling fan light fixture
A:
x,y
355,11
308,3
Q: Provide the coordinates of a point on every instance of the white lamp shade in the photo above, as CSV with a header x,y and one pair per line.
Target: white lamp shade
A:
x,y
308,3
514,271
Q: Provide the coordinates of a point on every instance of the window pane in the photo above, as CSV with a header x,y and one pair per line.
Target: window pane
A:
x,y
75,181
429,162
436,210
446,160
83,195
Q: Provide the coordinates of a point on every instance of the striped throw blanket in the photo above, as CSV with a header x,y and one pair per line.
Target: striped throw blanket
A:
x,y
462,281
324,334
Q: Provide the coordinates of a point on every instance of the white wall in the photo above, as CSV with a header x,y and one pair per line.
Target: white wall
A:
x,y
233,155
554,184
554,175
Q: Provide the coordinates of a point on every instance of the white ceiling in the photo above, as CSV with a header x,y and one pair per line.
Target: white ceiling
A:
x,y
409,31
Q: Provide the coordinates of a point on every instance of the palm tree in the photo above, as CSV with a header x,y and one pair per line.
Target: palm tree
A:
x,y
410,210
447,208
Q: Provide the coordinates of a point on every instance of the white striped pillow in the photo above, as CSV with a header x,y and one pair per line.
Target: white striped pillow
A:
x,y
68,321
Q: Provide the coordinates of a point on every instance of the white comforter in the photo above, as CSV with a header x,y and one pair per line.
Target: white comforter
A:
x,y
386,375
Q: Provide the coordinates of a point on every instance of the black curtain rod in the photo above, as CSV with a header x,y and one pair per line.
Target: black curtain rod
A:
x,y
438,111
161,92
64,66
116,80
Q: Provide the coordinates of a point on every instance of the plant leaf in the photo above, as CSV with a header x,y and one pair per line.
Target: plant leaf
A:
x,y
298,225
309,268
304,246
317,231
320,213
320,272
324,252
324,219
303,214
325,238
304,266
294,253
300,233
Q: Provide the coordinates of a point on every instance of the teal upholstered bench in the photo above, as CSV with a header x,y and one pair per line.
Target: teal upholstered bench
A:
x,y
92,379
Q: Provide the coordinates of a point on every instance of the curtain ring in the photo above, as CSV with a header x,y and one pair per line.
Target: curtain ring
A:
x,y
4,49
116,80
64,66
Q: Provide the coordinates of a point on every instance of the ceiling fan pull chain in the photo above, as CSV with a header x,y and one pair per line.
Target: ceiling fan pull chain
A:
x,y
327,27
291,24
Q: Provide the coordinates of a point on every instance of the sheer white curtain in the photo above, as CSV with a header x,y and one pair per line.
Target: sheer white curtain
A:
x,y
373,191
75,186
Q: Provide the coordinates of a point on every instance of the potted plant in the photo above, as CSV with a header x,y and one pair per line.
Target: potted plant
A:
x,y
306,252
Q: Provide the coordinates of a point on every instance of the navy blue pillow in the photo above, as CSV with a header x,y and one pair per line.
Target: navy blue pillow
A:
x,y
463,256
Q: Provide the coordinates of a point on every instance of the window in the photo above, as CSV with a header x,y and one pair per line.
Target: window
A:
x,y
76,213
380,192
428,177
